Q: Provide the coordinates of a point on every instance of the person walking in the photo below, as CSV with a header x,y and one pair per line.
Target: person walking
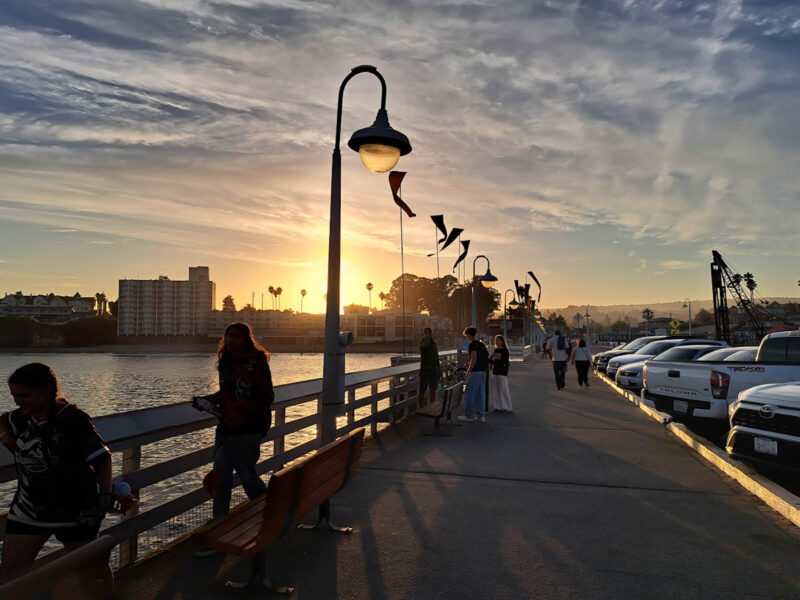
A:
x,y
243,404
475,379
582,358
429,369
557,351
500,361
63,478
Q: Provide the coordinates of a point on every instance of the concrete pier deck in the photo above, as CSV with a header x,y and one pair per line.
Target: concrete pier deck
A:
x,y
575,495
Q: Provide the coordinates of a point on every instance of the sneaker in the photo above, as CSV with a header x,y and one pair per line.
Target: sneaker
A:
x,y
482,420
465,418
205,552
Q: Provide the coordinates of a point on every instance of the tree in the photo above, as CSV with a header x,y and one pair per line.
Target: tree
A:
x,y
271,291
228,304
647,314
369,291
113,308
382,297
619,326
278,292
703,317
302,295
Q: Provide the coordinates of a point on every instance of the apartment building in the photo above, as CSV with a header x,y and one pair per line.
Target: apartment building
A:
x,y
47,308
166,307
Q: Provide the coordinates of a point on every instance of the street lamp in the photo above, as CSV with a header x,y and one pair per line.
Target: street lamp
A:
x,y
587,316
512,304
487,280
685,300
380,147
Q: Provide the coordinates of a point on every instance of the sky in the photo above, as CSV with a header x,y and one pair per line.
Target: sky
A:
x,y
606,145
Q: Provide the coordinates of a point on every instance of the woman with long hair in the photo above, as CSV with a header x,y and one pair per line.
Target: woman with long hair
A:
x,y
500,361
243,404
582,358
63,474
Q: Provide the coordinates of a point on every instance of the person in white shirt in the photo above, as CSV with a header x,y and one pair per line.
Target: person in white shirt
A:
x,y
557,350
582,358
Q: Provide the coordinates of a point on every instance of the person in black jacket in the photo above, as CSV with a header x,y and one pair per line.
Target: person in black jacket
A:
x,y
500,361
63,475
243,402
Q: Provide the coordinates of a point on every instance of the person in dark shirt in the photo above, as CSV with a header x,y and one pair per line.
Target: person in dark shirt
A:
x,y
429,369
244,401
501,359
63,473
475,379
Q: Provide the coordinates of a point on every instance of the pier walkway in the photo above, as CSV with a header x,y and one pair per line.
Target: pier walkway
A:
x,y
576,495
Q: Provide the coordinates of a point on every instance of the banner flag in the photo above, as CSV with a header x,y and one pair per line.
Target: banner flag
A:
x,y
438,220
465,244
395,179
454,233
537,283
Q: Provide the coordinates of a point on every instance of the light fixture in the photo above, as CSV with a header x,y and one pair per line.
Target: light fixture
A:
x,y
379,146
488,280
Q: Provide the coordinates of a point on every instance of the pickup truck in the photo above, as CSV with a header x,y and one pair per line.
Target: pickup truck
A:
x,y
704,389
765,424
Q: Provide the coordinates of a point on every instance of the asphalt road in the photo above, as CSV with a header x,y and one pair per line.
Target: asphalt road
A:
x,y
575,495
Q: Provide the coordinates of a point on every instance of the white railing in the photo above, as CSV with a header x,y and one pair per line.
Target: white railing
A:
x,y
371,398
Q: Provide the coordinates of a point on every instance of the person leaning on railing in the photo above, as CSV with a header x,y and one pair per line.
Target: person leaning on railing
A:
x,y
243,404
63,475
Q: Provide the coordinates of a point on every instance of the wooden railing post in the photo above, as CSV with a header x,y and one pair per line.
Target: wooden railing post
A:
x,y
129,549
351,414
279,444
392,398
373,407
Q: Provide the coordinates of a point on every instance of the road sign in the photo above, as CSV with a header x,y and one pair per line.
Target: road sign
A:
x,y
675,326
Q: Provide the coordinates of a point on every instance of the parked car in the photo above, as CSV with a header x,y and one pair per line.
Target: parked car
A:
x,y
722,354
602,358
747,354
703,389
651,350
765,424
630,376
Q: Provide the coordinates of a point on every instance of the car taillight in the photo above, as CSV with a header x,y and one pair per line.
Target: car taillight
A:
x,y
719,384
644,376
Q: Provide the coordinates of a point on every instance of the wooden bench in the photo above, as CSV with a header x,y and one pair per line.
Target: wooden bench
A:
x,y
445,405
292,494
84,569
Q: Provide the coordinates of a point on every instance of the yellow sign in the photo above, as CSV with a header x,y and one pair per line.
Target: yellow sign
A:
x,y
675,326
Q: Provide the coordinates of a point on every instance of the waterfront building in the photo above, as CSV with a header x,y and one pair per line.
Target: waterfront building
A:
x,y
166,307
47,308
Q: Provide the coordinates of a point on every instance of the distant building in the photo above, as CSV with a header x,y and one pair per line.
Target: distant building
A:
x,y
166,307
47,308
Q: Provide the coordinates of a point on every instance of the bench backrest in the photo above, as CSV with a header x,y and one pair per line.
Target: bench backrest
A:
x,y
456,396
297,490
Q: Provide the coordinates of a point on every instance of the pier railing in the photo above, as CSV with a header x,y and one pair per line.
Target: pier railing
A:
x,y
373,399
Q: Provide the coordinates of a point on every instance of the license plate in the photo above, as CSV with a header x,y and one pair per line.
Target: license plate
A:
x,y
766,446
623,381
680,406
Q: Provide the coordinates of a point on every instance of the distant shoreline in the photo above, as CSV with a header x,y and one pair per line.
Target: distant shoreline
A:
x,y
387,348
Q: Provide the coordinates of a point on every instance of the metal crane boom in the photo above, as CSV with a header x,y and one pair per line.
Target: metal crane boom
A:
x,y
723,279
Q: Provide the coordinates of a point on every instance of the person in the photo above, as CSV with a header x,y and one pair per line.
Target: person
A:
x,y
582,358
557,351
429,369
243,401
64,485
500,361
475,379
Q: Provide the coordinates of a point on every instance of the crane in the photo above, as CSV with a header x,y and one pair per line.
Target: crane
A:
x,y
724,279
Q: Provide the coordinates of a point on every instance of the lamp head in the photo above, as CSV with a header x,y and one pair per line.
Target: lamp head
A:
x,y
488,280
513,304
379,146
684,305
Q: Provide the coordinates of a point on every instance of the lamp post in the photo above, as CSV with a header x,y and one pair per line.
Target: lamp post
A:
x,y
685,300
587,316
380,147
512,304
487,280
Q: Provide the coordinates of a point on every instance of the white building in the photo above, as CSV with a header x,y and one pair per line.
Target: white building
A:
x,y
166,307
47,308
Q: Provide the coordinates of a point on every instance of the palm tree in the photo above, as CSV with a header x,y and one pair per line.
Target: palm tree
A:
x,y
382,297
647,314
302,295
271,291
278,292
751,284
369,290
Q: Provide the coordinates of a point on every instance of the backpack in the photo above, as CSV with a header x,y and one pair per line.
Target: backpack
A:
x,y
560,342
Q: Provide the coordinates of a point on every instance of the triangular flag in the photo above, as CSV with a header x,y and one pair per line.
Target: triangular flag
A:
x,y
465,244
395,179
537,283
454,233
438,220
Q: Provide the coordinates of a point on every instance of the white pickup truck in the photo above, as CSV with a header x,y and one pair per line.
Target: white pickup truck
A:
x,y
704,389
765,424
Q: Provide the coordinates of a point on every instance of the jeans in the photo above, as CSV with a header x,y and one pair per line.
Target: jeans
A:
x,y
559,370
582,367
475,397
238,452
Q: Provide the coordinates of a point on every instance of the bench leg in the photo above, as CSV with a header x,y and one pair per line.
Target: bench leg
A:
x,y
325,515
258,570
437,430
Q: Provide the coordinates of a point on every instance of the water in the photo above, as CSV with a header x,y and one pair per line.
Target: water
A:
x,y
109,383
